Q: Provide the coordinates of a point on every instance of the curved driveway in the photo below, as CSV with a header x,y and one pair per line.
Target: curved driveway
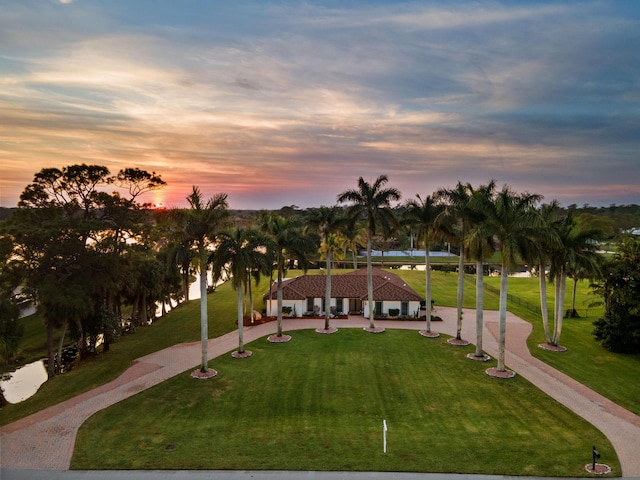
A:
x,y
45,440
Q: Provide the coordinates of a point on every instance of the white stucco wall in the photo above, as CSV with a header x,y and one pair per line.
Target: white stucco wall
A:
x,y
301,306
390,305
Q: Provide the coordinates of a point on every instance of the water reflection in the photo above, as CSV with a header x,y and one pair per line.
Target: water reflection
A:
x,y
24,382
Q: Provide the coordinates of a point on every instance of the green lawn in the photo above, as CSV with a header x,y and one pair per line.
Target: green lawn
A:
x,y
613,375
318,402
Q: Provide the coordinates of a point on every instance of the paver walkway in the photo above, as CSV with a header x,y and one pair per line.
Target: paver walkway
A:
x,y
45,440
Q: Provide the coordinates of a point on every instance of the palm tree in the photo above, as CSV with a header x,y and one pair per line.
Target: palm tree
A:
x,y
539,255
422,215
374,203
241,256
201,223
328,221
354,236
457,211
575,253
514,223
480,244
287,241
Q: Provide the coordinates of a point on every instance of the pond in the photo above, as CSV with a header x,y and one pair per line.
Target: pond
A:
x,y
24,382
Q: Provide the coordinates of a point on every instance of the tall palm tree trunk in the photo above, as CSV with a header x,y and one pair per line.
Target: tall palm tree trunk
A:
x,y
204,320
503,319
251,316
370,283
560,291
574,313
479,306
60,347
544,309
279,321
51,370
185,281
240,320
460,292
327,292
427,278
269,305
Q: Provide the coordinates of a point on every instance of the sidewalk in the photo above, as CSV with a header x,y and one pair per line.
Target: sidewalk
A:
x,y
45,440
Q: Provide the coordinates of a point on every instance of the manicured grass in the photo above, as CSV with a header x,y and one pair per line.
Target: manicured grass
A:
x,y
613,375
318,402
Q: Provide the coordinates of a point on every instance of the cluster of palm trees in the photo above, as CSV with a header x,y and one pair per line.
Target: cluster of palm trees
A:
x,y
484,223
511,229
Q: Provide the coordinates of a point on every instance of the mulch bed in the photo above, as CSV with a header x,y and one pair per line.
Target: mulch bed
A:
x,y
374,329
279,339
481,358
327,331
245,354
458,342
198,374
424,333
600,469
494,372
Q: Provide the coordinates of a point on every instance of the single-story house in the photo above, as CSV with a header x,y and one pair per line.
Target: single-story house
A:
x,y
305,295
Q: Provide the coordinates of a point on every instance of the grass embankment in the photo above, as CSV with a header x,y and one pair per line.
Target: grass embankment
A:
x,y
178,326
318,402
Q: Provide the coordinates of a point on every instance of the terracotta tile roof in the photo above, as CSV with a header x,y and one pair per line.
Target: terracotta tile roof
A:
x,y
386,286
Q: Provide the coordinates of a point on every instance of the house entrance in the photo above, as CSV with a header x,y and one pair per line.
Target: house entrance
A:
x,y
355,306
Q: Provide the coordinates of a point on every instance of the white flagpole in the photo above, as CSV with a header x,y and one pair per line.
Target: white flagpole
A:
x,y
384,435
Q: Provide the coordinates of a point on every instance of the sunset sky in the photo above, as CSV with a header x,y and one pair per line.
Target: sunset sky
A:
x,y
282,103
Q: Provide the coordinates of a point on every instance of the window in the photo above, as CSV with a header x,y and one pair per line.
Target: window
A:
x,y
310,304
404,308
339,305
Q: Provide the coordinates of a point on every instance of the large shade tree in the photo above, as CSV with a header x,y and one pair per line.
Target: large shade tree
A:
x,y
11,275
201,224
421,215
64,225
619,328
372,201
